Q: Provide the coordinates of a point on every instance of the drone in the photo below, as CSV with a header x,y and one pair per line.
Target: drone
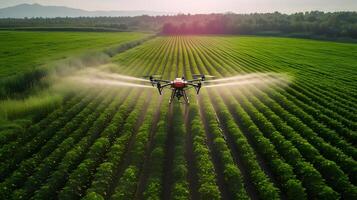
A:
x,y
178,86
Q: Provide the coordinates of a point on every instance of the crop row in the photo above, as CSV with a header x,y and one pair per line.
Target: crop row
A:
x,y
64,171
204,63
293,142
28,166
291,185
11,147
231,173
109,171
284,94
45,168
340,142
259,65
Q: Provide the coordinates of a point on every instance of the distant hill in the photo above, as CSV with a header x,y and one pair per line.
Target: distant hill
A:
x,y
37,10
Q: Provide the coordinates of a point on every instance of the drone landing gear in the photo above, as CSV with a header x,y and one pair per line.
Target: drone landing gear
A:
x,y
185,97
179,94
172,96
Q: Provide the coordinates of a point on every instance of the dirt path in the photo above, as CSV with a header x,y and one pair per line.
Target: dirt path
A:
x,y
169,154
262,163
144,168
126,159
218,166
190,157
250,188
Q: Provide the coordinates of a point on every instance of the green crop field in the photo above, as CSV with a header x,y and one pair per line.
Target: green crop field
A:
x,y
248,142
24,51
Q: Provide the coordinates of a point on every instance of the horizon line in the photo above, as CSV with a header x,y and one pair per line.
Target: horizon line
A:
x,y
179,12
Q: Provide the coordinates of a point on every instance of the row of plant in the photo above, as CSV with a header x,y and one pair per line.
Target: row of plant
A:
x,y
284,173
257,65
330,107
232,175
333,122
309,176
319,182
236,54
160,59
281,170
343,144
344,184
172,60
127,184
143,56
153,183
330,171
102,184
330,99
153,187
140,53
28,166
311,80
244,120
104,179
262,183
329,135
333,138
208,188
327,150
23,151
334,92
118,149
287,60
264,186
336,138
179,188
174,180
307,116
70,161
10,147
48,164
81,177
153,60
126,134
10,133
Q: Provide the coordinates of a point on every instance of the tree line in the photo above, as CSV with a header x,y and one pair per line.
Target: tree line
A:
x,y
314,23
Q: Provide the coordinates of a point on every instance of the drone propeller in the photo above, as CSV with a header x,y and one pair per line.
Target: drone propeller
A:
x,y
153,76
202,76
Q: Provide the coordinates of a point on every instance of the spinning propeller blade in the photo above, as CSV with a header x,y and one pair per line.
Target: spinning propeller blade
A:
x,y
202,76
153,76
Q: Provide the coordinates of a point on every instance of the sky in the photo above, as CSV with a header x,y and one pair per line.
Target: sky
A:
x,y
200,6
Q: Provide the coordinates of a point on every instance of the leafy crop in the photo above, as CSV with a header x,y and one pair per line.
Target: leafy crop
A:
x,y
246,142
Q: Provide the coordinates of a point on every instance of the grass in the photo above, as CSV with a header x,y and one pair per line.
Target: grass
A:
x,y
44,102
23,51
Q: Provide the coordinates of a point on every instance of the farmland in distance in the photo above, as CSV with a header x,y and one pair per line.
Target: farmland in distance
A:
x,y
25,50
281,142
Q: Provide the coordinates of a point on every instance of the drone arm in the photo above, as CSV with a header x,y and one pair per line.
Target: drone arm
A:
x,y
196,86
165,85
159,80
161,87
194,81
